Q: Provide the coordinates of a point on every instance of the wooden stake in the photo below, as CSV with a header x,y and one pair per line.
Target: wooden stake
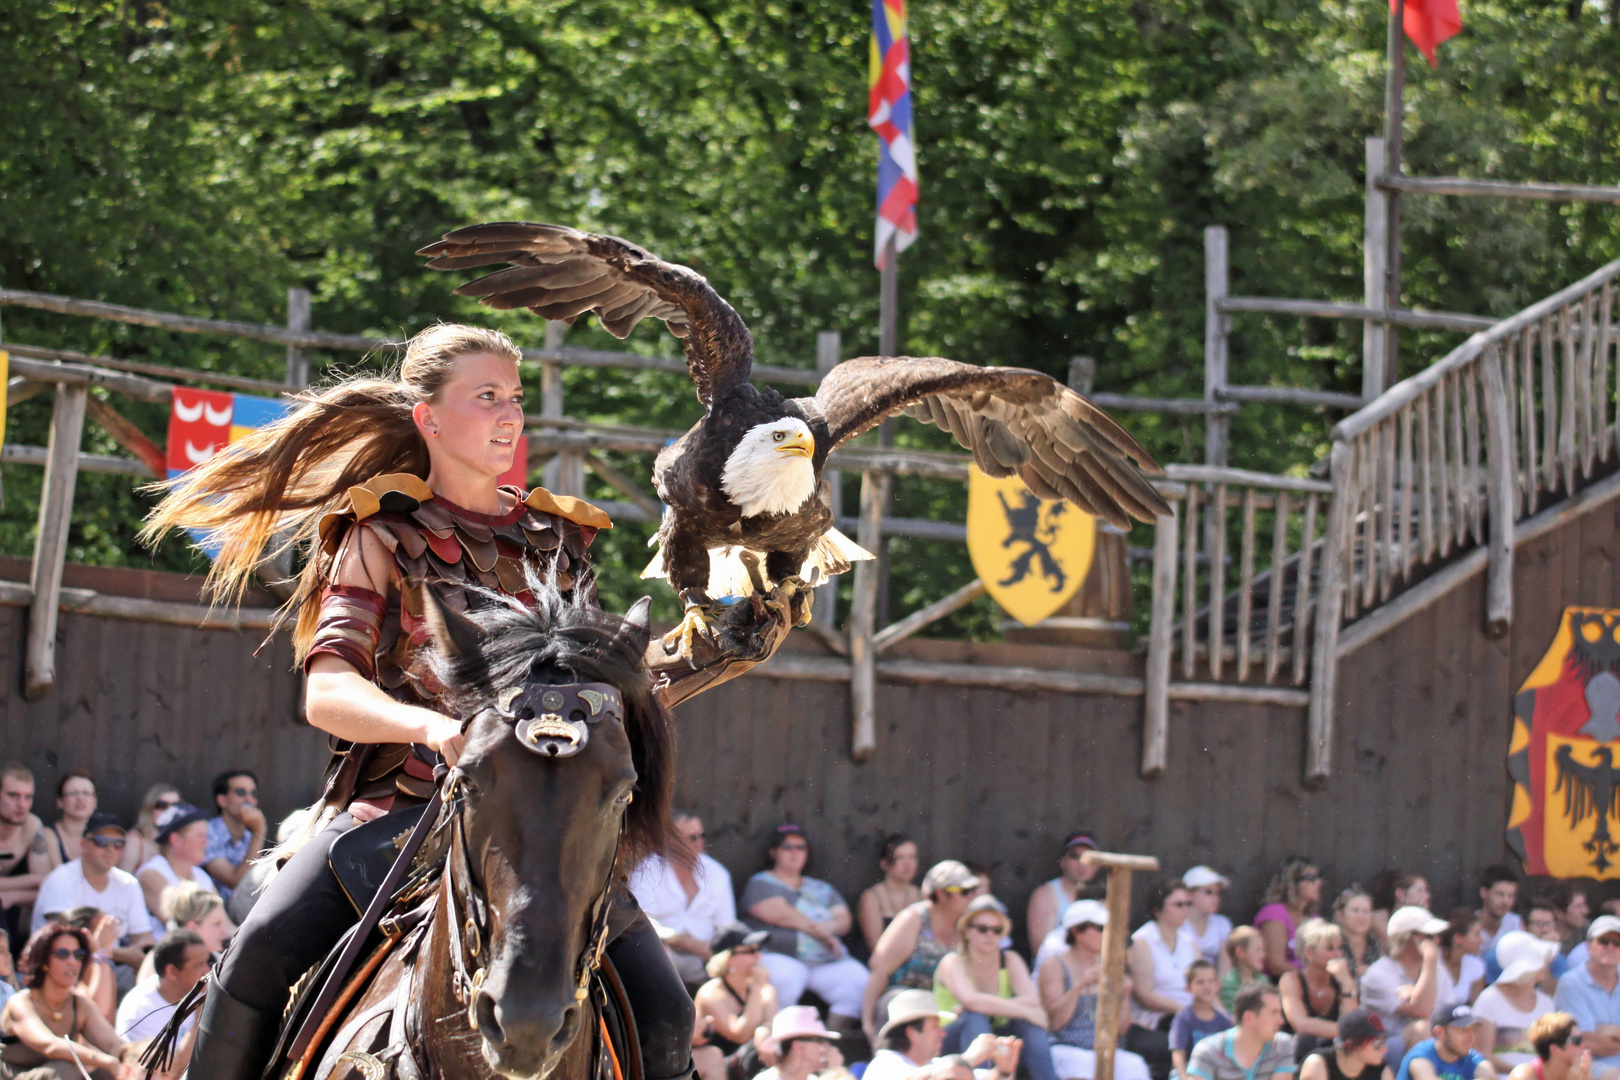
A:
x,y
50,542
863,619
1111,995
1216,326
298,322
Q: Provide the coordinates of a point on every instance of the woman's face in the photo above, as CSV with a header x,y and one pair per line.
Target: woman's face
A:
x,y
902,865
78,799
1174,912
1325,950
952,901
791,854
65,961
1309,886
744,958
1469,942
1356,916
984,933
1206,899
473,423
1414,895
1371,1052
1090,938
190,843
213,928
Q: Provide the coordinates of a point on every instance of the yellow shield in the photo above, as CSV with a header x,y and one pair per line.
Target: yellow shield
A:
x,y
1032,554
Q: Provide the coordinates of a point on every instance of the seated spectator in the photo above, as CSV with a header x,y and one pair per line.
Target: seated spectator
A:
x,y
8,970
1160,951
1588,992
1392,890
1449,1054
1246,953
51,1028
1498,894
1403,986
182,840
805,917
687,897
799,1043
1513,1003
1560,1054
94,880
917,940
1209,927
882,902
1357,1052
990,990
180,960
1352,912
1075,881
101,984
1461,972
1069,984
1255,1049
738,998
24,859
1202,1018
191,907
1290,899
141,841
75,802
911,1037
1321,991
236,836
1572,909
1540,922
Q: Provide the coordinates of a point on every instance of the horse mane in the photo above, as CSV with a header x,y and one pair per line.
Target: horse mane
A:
x,y
556,634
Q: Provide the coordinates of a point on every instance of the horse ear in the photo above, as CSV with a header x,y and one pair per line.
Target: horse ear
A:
x,y
453,633
636,631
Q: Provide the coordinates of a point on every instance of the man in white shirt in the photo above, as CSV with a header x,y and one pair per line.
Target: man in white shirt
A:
x,y
94,880
686,906
180,960
910,1040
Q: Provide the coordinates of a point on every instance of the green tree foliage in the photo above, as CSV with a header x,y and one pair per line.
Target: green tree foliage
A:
x,y
203,156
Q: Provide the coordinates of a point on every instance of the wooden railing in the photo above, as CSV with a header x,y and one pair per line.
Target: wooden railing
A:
x,y
1447,461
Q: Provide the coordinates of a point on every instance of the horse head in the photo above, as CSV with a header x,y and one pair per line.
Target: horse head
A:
x,y
565,777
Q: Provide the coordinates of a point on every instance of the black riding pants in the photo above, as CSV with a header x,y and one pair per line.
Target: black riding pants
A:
x,y
304,912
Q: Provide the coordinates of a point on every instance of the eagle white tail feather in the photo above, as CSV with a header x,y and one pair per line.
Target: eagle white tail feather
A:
x,y
832,553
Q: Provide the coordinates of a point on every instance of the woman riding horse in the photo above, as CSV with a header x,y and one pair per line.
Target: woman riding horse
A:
x,y
390,482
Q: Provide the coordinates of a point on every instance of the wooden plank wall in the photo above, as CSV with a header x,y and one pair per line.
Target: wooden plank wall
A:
x,y
983,775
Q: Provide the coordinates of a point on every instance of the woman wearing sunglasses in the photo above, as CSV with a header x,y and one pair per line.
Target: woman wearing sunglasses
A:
x,y
916,941
1559,1053
990,990
140,843
51,1029
1291,898
737,999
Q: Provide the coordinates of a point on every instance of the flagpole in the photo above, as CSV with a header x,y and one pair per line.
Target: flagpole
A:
x,y
1394,128
888,298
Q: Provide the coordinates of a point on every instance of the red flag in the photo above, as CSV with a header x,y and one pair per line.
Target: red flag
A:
x,y
1429,22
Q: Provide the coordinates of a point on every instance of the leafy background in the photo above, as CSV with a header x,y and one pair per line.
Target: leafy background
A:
x,y
205,156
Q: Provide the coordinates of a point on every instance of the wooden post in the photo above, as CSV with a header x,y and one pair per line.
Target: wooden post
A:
x,y
50,541
1329,608
1394,137
828,346
1216,326
1111,994
1499,488
863,619
565,473
297,319
1156,700
888,299
1375,256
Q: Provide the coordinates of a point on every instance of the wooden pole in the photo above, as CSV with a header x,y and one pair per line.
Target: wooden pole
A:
x,y
565,473
1499,487
1375,268
297,321
1216,326
863,619
50,540
1111,994
1329,609
1394,132
829,345
1156,702
888,345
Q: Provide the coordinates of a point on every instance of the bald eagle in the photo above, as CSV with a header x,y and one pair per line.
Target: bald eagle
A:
x,y
743,486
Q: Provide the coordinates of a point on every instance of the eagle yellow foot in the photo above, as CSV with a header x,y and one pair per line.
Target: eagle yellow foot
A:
x,y
782,600
694,624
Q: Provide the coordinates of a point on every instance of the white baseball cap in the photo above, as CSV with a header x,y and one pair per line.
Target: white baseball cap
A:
x,y
1200,876
1603,924
1085,911
1412,919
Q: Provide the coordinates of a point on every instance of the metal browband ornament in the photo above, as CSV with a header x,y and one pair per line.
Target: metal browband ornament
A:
x,y
555,720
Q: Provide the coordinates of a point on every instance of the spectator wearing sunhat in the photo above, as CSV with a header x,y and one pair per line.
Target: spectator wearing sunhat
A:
x,y
990,990
1204,918
1357,1052
182,840
1069,982
1514,1002
1590,992
1449,1053
1403,985
917,940
914,1032
799,1042
1075,881
739,998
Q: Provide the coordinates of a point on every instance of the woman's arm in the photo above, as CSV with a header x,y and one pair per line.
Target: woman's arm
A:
x,y
1140,961
1276,935
1042,917
838,921
1314,1068
953,973
894,945
1024,990
1291,988
870,918
1059,1002
1420,1003
26,1025
152,886
99,1030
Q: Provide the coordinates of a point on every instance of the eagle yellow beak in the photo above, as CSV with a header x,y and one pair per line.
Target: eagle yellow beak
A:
x,y
798,445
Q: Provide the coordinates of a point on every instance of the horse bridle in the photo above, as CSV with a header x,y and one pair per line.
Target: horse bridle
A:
x,y
551,720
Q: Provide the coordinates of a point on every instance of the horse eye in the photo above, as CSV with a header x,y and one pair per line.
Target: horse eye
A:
x,y
778,435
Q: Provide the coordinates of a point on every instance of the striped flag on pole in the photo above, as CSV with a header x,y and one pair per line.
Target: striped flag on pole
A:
x,y
888,110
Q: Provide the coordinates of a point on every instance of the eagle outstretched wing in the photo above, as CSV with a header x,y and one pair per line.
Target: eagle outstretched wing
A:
x,y
561,273
1012,419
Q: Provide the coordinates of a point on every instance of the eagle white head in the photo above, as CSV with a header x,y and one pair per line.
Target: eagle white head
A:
x,y
770,471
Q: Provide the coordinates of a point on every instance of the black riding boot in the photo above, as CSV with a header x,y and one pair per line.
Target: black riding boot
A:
x,y
658,999
234,1041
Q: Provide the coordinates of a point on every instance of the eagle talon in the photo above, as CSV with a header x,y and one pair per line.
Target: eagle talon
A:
x,y
694,624
791,588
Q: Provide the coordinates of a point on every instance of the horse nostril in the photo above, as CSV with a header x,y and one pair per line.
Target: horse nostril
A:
x,y
567,1029
489,1025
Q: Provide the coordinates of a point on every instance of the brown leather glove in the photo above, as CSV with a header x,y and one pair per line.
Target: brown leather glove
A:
x,y
747,633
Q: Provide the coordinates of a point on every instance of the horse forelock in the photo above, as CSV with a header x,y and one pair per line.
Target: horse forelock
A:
x,y
559,638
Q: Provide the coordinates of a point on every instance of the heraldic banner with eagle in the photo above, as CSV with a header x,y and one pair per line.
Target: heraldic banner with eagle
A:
x,y
1564,754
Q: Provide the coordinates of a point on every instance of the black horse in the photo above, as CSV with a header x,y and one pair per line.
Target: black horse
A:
x,y
484,969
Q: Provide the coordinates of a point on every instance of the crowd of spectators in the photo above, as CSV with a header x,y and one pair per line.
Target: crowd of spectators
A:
x,y
107,926
925,979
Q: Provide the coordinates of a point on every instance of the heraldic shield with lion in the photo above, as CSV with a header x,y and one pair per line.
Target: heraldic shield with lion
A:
x,y
1564,756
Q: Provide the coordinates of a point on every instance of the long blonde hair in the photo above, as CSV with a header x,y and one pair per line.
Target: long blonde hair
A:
x,y
281,479
144,823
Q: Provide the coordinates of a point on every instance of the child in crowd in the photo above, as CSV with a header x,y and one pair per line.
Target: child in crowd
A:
x,y
1247,951
1201,1018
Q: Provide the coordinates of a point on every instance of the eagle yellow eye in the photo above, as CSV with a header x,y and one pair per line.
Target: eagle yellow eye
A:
x,y
778,435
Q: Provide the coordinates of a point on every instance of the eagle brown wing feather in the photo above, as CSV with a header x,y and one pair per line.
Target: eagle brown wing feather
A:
x,y
562,273
1014,421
